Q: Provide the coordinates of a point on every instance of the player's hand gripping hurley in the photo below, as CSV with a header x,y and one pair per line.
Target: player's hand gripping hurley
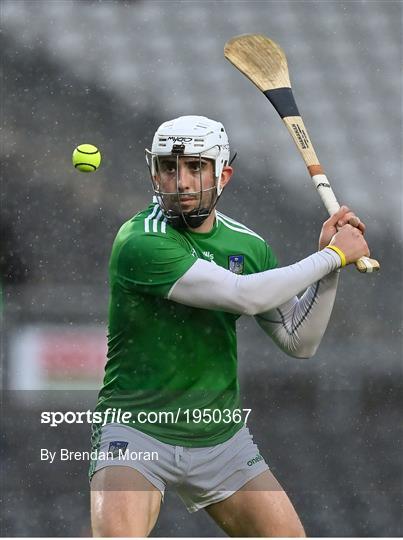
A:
x,y
265,64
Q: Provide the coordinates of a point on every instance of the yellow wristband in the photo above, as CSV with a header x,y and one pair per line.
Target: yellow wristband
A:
x,y
340,253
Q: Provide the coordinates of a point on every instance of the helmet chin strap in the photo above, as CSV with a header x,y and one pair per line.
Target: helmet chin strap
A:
x,y
192,219
187,220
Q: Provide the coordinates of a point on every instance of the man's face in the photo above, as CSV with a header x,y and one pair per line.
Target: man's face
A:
x,y
187,183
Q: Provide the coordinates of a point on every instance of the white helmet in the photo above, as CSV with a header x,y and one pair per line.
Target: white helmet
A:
x,y
196,136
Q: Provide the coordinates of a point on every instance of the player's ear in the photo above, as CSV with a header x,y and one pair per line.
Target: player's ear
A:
x,y
226,175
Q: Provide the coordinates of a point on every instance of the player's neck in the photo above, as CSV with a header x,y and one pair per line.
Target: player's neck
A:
x,y
207,224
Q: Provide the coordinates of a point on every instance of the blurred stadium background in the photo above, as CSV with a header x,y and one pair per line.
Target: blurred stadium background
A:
x,y
109,73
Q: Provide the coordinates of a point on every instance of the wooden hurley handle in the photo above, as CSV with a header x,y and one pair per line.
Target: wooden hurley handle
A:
x,y
298,132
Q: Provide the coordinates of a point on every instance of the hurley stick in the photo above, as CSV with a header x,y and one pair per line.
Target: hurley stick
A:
x,y
265,64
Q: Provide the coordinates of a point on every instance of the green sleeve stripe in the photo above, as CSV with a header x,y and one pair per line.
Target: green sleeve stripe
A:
x,y
237,224
238,229
149,218
155,218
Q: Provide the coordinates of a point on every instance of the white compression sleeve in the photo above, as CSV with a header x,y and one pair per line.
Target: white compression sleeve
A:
x,y
207,285
297,326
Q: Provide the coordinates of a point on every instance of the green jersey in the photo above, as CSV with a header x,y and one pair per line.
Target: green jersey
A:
x,y
169,363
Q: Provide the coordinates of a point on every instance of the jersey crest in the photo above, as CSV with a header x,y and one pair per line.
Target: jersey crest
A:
x,y
236,263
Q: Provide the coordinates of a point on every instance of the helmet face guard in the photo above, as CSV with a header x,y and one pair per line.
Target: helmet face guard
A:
x,y
171,202
193,137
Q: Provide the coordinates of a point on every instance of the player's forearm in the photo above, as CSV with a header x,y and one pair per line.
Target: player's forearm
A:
x,y
298,326
206,285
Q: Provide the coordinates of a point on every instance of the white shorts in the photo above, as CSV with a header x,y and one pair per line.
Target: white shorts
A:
x,y
201,476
